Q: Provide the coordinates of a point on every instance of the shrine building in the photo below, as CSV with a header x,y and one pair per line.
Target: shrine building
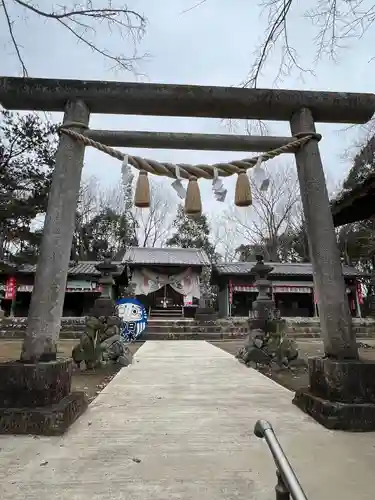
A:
x,y
292,288
167,282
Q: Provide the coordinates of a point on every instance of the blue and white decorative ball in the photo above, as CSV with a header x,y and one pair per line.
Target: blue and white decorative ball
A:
x,y
133,317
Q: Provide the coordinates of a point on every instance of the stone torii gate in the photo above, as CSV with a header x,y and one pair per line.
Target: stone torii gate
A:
x,y
336,380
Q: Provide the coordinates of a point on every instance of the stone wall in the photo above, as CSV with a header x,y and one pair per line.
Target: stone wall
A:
x,y
228,328
310,327
14,328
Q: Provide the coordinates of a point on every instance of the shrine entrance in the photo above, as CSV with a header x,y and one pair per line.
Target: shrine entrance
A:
x,y
166,298
302,109
167,292
165,302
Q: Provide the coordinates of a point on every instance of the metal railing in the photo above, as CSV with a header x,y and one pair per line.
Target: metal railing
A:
x,y
287,483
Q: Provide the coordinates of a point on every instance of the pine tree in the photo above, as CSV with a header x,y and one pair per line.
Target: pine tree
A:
x,y
192,233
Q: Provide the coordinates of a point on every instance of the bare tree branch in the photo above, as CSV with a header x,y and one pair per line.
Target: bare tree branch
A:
x,y
337,22
193,6
274,212
155,223
225,237
13,38
80,20
276,34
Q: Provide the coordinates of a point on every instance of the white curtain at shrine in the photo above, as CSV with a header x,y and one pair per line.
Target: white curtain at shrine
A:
x,y
185,283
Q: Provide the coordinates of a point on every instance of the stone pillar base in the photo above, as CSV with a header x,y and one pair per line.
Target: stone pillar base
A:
x,y
36,398
341,395
203,314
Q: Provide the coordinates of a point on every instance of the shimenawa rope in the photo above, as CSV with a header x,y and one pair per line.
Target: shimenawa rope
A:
x,y
193,204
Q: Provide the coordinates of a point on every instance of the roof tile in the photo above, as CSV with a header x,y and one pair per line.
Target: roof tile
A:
x,y
282,269
166,256
81,268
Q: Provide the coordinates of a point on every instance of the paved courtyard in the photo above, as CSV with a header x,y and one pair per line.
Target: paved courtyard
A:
x,y
178,424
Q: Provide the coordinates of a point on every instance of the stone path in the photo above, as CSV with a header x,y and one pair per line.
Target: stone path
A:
x,y
178,424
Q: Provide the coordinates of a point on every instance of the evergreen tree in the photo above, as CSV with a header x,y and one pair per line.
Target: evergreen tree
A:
x,y
104,221
192,233
27,159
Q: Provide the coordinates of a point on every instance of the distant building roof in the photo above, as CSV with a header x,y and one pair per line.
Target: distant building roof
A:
x,y
280,269
142,256
81,268
166,256
188,257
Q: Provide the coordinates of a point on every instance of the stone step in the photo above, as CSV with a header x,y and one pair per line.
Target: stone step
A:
x,y
212,336
359,330
182,328
169,322
193,328
166,315
166,311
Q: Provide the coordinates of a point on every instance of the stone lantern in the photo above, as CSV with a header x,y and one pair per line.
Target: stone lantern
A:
x,y
107,269
264,309
103,325
265,344
105,305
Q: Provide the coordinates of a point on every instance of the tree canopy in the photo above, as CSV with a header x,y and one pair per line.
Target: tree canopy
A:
x,y
27,159
192,233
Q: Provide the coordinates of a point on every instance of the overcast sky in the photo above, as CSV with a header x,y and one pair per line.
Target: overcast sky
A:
x,y
212,44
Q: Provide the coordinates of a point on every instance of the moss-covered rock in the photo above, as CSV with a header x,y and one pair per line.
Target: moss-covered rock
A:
x,y
93,348
267,347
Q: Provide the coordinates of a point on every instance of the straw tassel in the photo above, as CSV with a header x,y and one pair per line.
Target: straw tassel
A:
x,y
242,196
193,202
142,191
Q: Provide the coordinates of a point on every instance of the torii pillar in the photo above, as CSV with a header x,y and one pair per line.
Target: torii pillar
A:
x,y
342,388
35,392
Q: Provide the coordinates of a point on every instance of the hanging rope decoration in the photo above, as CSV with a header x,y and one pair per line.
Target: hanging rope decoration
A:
x,y
177,184
193,202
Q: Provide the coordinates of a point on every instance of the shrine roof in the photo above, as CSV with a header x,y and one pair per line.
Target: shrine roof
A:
x,y
79,269
166,256
88,268
280,269
355,204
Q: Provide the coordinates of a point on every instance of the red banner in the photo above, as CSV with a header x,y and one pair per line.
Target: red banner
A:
x,y
10,289
359,292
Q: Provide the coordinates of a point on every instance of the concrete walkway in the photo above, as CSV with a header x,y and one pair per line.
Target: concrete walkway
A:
x,y
178,424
